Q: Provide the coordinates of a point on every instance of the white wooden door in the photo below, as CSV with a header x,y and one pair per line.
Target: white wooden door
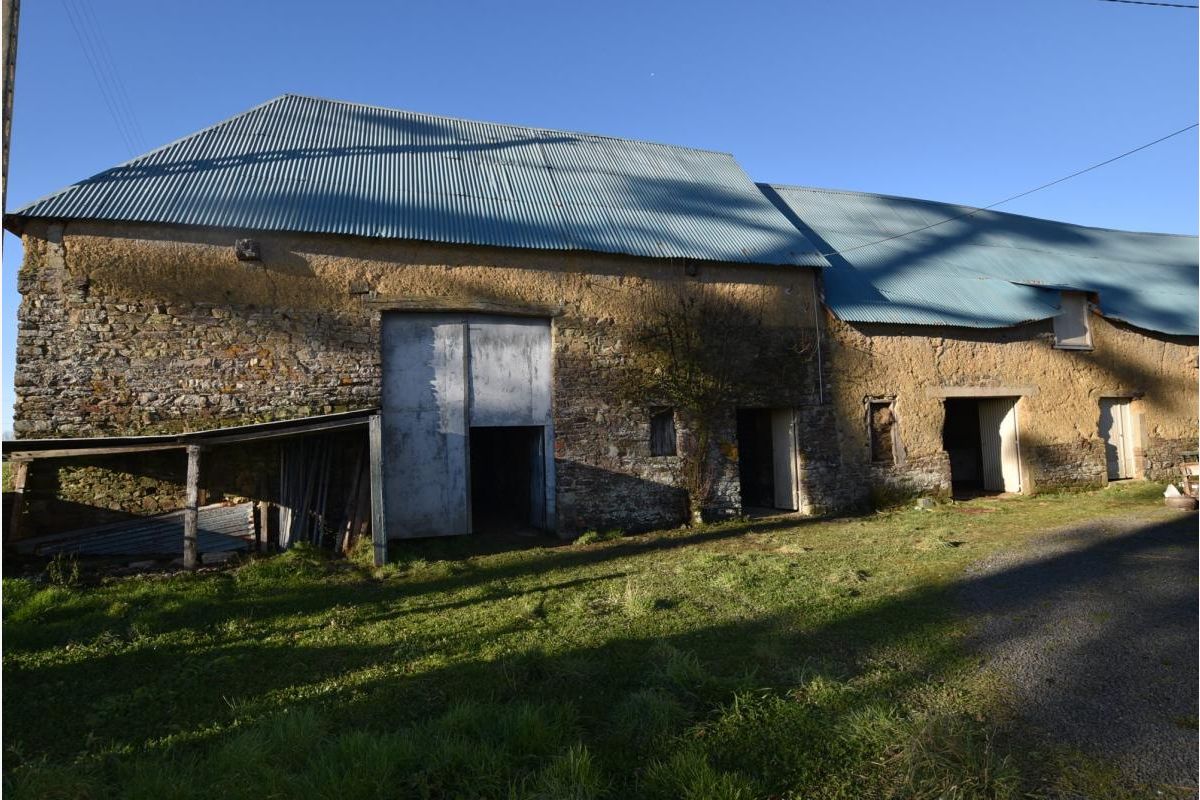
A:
x,y
998,444
1116,430
784,457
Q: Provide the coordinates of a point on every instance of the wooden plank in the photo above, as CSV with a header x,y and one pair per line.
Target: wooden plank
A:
x,y
981,391
463,305
347,525
316,427
74,452
378,533
191,510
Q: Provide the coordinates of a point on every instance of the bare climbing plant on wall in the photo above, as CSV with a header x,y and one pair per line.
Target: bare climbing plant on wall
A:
x,y
702,351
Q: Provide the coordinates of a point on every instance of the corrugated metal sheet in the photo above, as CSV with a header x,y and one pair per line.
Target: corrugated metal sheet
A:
x,y
987,270
219,528
321,166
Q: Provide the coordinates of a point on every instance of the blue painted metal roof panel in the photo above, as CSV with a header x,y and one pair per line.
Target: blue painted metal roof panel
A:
x,y
989,269
321,166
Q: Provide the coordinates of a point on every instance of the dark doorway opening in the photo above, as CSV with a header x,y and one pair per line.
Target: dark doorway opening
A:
x,y
506,479
756,458
960,440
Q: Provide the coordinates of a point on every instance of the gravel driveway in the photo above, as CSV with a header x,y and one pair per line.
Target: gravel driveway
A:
x,y
1095,629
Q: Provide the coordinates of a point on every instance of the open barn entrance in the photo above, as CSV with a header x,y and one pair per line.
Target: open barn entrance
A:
x,y
465,420
767,468
506,479
980,437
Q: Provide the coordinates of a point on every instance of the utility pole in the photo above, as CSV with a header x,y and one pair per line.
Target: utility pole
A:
x,y
12,15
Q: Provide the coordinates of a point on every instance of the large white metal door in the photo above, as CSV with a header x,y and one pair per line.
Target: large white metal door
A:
x,y
784,457
509,367
1116,430
444,374
424,425
998,444
510,371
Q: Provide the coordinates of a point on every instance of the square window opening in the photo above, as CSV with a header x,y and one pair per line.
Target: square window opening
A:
x,y
662,431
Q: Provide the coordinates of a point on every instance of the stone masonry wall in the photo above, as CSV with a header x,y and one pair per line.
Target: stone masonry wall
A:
x,y
1163,456
139,329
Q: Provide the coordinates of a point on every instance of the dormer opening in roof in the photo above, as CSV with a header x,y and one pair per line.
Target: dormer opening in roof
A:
x,y
1073,324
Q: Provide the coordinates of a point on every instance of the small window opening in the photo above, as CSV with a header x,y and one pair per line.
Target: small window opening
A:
x,y
1072,326
884,431
662,431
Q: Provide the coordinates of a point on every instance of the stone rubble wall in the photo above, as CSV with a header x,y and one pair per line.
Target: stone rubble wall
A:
x,y
142,329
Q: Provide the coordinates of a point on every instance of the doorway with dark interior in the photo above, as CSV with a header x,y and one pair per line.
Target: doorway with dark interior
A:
x,y
507,480
767,462
960,440
980,437
756,470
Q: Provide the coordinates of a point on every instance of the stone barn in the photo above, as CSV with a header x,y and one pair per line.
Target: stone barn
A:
x,y
510,328
985,351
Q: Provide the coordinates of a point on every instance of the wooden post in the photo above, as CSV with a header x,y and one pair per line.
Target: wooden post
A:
x,y
191,511
378,533
20,476
262,527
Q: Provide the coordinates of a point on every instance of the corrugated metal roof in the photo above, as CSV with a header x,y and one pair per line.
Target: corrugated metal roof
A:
x,y
322,166
989,269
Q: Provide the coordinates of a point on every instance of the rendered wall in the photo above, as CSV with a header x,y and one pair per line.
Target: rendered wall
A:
x,y
1058,416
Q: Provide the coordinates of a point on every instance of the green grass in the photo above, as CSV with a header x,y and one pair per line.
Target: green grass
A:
x,y
816,659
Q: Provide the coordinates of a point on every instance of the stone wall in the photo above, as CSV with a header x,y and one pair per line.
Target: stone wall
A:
x,y
138,329
1058,413
1163,456
1077,464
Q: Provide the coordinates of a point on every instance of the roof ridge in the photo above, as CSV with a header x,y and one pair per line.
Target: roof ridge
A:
x,y
453,118
970,208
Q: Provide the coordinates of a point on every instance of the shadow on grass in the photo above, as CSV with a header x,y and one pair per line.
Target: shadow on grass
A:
x,y
751,689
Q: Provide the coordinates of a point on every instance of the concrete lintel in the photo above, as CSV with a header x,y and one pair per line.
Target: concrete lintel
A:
x,y
981,391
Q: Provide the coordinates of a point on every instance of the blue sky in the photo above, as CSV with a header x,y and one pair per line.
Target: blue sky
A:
x,y
966,101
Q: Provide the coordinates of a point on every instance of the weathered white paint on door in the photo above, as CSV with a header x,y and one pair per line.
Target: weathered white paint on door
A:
x,y
510,371
784,457
424,434
510,385
442,375
998,443
1116,428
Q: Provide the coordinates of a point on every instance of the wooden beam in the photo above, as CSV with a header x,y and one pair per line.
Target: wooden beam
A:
x,y
74,452
282,433
464,305
191,511
980,391
378,532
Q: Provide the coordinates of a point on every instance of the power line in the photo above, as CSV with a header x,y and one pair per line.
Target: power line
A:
x,y
975,211
108,81
89,17
1148,3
